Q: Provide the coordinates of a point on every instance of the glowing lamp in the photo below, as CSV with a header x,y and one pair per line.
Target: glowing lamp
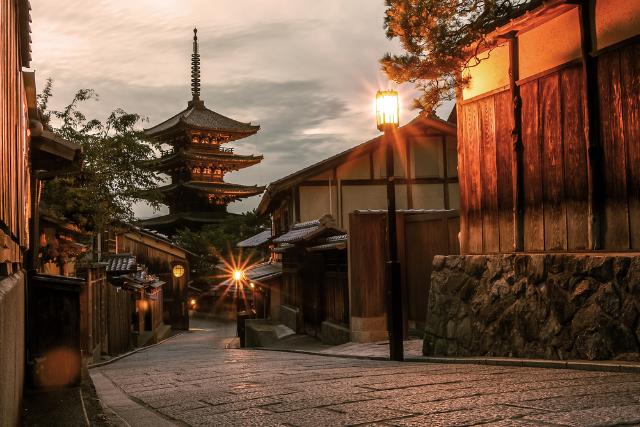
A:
x,y
237,275
192,301
178,270
387,109
252,285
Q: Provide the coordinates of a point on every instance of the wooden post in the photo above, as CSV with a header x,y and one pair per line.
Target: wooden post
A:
x,y
591,124
445,173
516,137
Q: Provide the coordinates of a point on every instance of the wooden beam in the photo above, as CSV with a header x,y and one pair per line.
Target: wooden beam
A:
x,y
445,184
408,173
592,124
516,138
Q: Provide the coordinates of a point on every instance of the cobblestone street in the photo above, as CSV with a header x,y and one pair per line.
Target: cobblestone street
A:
x,y
192,379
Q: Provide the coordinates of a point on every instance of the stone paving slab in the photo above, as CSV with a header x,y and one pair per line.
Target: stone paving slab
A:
x,y
194,380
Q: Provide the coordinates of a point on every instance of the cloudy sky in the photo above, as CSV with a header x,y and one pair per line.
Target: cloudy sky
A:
x,y
305,70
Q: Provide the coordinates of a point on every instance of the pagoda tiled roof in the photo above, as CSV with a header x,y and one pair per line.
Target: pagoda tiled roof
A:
x,y
215,188
237,160
193,217
197,116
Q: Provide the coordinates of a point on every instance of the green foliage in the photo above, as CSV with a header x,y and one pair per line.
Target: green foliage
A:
x,y
438,37
111,179
213,242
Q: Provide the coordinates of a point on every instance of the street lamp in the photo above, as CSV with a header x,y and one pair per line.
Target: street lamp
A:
x,y
387,120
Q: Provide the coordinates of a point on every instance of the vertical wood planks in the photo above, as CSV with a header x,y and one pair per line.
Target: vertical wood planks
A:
x,y
488,177
554,209
576,185
473,183
616,215
504,159
462,181
533,202
630,72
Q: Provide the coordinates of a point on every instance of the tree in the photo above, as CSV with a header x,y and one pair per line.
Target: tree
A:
x,y
436,36
112,178
215,241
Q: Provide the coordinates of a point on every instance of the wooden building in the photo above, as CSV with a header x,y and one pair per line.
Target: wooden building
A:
x,y
24,148
549,165
558,170
354,179
320,292
315,290
164,259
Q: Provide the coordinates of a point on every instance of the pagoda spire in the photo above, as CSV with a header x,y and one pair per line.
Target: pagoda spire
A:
x,y
195,68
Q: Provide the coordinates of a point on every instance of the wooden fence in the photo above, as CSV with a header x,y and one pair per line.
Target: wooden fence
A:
x,y
421,235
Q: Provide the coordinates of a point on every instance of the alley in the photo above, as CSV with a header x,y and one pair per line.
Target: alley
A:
x,y
192,379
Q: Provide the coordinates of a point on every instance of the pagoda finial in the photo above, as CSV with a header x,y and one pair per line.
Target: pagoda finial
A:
x,y
195,68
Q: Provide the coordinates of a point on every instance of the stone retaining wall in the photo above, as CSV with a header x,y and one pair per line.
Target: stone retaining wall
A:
x,y
566,306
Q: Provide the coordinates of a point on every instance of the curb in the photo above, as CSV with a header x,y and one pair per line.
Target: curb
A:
x,y
134,351
520,363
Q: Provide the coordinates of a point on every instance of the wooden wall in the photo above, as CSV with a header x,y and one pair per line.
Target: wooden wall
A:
x,y
555,161
119,307
14,170
619,91
335,289
421,236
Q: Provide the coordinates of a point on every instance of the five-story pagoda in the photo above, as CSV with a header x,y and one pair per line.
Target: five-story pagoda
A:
x,y
197,162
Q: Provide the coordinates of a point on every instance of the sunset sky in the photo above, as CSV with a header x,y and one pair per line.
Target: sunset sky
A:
x,y
305,70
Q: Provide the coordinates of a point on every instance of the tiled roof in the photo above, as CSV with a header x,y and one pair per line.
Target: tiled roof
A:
x,y
298,232
141,278
231,161
332,242
310,229
199,117
120,263
264,271
257,240
215,187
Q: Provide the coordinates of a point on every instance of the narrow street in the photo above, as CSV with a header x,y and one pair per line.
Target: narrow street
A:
x,y
193,380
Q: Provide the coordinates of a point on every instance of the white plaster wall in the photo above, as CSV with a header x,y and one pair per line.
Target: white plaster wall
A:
x,y
380,166
452,156
553,43
616,20
368,197
428,196
454,196
492,72
314,202
357,168
426,155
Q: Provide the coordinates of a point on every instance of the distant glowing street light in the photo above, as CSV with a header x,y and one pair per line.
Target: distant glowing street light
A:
x,y
237,275
252,285
387,120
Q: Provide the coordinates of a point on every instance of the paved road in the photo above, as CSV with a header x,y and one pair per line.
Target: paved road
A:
x,y
192,379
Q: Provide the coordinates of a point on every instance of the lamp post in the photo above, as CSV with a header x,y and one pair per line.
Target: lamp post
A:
x,y
388,119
